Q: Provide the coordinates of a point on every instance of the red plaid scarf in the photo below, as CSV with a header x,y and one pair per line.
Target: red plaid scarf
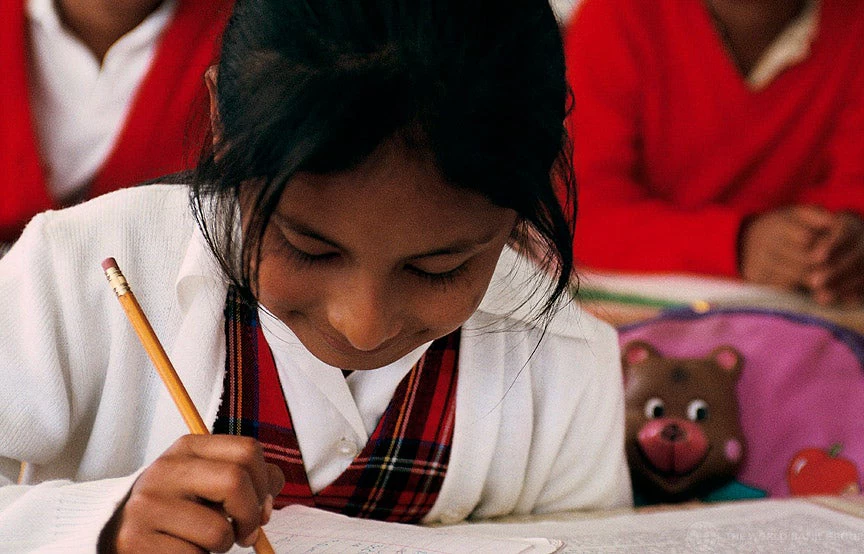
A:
x,y
398,474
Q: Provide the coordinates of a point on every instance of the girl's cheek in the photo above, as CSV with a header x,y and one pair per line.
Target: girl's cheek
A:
x,y
287,287
449,311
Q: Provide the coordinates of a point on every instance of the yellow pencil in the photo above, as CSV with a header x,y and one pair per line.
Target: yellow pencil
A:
x,y
163,365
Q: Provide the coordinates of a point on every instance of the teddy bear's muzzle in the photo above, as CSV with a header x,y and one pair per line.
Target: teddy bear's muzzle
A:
x,y
673,446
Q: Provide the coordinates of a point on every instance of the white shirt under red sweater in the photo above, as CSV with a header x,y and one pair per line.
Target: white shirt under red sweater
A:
x,y
79,102
157,133
536,430
674,148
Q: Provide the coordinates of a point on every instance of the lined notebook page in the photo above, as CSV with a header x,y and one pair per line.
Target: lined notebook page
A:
x,y
757,526
299,529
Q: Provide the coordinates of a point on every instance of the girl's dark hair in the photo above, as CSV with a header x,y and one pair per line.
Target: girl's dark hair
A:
x,y
318,85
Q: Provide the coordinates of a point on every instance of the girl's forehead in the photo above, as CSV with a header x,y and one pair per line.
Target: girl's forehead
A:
x,y
393,178
402,197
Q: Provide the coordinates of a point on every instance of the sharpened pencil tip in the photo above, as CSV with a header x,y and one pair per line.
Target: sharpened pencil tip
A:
x,y
108,263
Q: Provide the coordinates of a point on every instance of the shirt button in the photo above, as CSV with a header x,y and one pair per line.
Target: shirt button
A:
x,y
347,447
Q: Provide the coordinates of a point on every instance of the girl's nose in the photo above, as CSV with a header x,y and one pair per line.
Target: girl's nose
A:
x,y
364,315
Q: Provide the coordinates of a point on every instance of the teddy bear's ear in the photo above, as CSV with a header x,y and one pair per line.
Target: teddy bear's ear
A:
x,y
728,358
636,352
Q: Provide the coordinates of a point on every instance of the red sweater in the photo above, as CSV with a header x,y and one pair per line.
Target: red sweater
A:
x,y
167,117
672,150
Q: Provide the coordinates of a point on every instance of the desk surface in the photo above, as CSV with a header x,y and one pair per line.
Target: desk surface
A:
x,y
627,298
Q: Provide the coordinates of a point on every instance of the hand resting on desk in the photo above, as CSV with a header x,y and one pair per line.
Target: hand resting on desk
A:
x,y
806,248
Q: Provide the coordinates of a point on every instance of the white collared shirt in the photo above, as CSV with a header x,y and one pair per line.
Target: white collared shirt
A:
x,y
78,105
317,392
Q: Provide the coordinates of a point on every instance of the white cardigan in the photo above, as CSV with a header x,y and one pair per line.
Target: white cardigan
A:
x,y
537,430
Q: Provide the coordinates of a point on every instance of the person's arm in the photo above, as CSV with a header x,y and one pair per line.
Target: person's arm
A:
x,y
842,186
77,404
590,469
621,225
42,407
838,255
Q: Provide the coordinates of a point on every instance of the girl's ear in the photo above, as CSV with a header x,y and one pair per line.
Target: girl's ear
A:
x,y
210,77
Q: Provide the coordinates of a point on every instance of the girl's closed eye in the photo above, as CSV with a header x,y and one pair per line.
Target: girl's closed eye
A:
x,y
305,255
446,277
311,258
308,258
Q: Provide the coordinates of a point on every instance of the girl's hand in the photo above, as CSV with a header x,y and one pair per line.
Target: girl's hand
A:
x,y
205,493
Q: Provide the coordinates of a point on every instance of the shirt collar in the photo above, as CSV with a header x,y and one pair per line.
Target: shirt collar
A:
x,y
198,269
518,292
43,13
792,46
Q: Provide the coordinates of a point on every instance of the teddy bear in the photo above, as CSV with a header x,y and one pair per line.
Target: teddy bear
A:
x,y
683,437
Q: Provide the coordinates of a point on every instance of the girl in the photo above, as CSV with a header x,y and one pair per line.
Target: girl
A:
x,y
344,290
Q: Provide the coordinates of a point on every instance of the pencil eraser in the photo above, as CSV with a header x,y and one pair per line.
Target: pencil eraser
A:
x,y
108,263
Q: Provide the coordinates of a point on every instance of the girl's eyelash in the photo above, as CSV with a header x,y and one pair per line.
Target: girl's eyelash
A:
x,y
309,259
306,259
301,257
446,278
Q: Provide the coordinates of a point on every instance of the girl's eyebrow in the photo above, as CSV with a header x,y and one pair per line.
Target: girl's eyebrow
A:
x,y
458,247
301,229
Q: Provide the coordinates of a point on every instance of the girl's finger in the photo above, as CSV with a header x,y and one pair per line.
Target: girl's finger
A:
x,y
277,480
227,486
185,521
159,544
242,451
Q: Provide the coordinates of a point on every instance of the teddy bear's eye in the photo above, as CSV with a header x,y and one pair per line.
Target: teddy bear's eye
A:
x,y
654,408
697,410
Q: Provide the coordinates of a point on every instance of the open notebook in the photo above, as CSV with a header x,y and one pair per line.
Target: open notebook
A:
x,y
755,526
298,529
758,526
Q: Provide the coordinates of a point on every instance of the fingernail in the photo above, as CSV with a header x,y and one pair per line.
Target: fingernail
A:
x,y
267,510
252,538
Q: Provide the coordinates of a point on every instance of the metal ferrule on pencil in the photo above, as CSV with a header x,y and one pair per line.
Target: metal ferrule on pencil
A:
x,y
117,281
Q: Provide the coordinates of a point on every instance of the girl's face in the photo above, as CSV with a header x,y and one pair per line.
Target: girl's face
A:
x,y
368,264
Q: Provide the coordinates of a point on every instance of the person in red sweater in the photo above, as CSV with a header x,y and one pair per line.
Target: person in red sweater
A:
x,y
722,137
78,117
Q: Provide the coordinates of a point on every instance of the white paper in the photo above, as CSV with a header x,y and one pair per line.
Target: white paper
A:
x,y
688,289
299,529
760,526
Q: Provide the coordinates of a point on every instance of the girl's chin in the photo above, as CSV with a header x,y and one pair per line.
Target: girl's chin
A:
x,y
361,361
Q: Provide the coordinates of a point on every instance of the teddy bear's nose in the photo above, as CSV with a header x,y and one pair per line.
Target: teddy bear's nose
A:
x,y
672,445
673,433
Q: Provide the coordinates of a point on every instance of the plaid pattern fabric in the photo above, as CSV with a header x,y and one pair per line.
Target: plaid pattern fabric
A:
x,y
397,475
